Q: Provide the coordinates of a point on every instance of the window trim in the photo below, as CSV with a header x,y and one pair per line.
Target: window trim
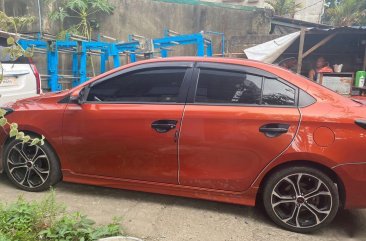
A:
x,y
241,69
183,90
236,68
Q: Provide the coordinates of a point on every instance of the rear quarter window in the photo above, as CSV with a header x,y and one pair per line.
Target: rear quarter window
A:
x,y
276,92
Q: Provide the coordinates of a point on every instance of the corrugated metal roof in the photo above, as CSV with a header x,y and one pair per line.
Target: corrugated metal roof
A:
x,y
345,29
358,27
316,26
279,19
211,4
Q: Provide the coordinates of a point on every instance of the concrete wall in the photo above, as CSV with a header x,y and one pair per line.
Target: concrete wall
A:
x,y
149,18
310,10
254,3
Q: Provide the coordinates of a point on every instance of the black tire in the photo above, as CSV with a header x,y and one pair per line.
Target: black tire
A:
x,y
315,206
31,168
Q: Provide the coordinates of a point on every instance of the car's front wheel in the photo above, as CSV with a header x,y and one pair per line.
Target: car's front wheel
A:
x,y
31,168
301,199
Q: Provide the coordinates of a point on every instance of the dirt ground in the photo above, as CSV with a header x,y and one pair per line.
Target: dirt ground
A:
x,y
155,217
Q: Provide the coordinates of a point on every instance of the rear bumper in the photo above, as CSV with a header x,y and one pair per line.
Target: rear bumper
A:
x,y
353,176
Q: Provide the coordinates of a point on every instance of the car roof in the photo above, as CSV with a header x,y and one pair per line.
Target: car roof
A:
x,y
224,60
274,69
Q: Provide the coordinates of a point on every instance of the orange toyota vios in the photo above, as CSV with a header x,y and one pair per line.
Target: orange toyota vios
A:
x,y
227,130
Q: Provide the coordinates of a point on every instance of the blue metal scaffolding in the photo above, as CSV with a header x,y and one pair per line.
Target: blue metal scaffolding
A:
x,y
80,49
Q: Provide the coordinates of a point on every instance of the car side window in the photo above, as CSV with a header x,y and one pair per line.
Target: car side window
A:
x,y
150,85
277,93
228,87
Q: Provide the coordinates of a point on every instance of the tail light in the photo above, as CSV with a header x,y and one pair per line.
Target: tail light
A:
x,y
36,74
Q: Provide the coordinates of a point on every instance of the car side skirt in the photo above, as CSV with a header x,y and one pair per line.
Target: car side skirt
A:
x,y
247,198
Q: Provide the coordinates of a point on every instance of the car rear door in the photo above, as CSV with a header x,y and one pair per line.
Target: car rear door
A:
x,y
127,128
238,120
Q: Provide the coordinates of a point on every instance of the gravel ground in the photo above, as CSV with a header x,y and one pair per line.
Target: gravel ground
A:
x,y
155,217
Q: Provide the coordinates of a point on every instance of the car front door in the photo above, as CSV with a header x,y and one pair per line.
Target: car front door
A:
x,y
239,119
126,128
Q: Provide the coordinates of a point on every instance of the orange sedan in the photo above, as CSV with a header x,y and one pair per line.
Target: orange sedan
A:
x,y
227,130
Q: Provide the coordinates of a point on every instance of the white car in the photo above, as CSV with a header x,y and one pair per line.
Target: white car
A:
x,y
20,80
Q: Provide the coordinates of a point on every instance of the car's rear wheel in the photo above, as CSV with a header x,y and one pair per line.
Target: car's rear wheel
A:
x,y
301,199
31,168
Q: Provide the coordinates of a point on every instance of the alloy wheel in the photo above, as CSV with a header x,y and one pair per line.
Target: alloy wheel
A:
x,y
301,200
28,165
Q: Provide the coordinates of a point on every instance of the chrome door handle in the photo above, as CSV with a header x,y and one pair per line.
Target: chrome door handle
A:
x,y
163,126
274,129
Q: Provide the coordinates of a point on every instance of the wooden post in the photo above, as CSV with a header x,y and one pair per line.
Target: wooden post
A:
x,y
301,50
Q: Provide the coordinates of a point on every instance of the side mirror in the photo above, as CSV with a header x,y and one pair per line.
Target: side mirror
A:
x,y
77,97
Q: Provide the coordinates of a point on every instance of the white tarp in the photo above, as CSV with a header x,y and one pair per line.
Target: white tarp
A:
x,y
269,51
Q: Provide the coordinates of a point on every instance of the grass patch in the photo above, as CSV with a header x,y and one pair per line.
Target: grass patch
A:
x,y
47,220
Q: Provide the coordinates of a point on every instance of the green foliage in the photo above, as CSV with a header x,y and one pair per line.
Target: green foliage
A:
x,y
59,15
80,10
285,8
47,221
346,13
24,220
14,24
3,237
14,50
78,227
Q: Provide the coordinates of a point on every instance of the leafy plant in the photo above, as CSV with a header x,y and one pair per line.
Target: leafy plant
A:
x,y
346,13
14,24
82,11
286,8
46,221
14,132
78,227
22,220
